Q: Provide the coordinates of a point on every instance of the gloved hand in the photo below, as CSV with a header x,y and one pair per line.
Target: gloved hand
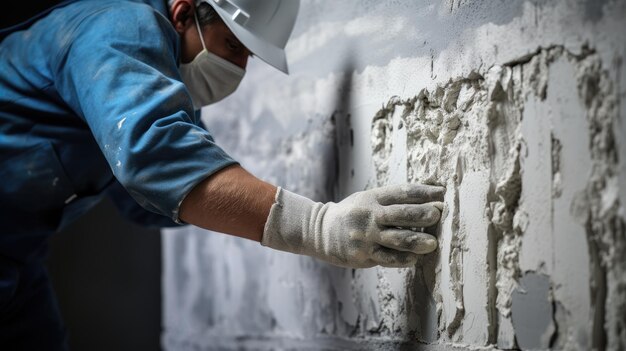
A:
x,y
361,231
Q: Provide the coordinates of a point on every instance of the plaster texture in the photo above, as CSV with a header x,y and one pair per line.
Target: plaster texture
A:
x,y
515,107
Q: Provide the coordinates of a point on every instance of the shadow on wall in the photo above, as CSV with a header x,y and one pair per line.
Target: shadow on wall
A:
x,y
343,168
420,319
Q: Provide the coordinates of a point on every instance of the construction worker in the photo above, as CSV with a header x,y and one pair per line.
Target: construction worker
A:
x,y
102,98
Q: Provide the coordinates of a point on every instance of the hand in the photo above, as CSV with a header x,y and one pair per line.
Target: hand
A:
x,y
366,229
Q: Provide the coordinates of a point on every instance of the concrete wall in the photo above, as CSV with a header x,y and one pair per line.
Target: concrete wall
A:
x,y
515,106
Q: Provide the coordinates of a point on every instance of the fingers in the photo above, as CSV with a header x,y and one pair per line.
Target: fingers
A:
x,y
438,204
406,240
409,194
413,216
387,257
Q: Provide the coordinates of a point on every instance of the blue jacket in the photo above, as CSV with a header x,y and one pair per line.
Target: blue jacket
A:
x,y
92,103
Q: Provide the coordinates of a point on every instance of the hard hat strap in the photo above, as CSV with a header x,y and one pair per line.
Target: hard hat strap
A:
x,y
195,17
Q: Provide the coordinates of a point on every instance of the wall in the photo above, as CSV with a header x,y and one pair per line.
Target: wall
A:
x,y
514,106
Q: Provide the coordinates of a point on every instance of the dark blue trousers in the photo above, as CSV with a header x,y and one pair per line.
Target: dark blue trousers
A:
x,y
29,314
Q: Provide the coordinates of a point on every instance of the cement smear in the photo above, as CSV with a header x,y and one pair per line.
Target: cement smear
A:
x,y
468,135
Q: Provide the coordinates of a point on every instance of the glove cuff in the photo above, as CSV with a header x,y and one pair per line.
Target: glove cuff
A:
x,y
288,222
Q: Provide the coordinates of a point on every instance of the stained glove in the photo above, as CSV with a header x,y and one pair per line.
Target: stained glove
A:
x,y
366,229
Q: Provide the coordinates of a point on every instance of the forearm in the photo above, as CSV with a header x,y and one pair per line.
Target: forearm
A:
x,y
231,201
367,228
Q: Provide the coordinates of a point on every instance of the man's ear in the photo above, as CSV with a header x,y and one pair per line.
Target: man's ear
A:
x,y
182,14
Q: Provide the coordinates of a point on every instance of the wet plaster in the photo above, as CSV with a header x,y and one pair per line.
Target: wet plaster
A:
x,y
522,123
473,258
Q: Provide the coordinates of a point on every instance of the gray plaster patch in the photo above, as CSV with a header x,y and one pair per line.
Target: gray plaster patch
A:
x,y
532,312
594,9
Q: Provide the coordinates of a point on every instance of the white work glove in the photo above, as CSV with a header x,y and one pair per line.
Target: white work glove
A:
x,y
363,230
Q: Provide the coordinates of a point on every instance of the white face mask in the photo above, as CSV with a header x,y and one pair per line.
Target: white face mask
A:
x,y
209,78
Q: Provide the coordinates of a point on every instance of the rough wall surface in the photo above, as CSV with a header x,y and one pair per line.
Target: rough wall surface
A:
x,y
516,107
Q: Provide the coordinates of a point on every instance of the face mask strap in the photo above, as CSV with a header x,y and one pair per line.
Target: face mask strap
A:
x,y
195,17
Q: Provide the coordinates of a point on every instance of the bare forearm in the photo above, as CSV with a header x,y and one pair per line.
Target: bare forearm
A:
x,y
231,201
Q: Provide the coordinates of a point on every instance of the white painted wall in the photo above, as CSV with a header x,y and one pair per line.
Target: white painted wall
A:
x,y
514,106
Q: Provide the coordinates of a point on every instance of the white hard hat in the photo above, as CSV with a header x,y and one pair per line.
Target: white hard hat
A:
x,y
263,26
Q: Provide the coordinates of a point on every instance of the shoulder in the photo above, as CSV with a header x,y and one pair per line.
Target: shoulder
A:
x,y
120,33
128,27
129,17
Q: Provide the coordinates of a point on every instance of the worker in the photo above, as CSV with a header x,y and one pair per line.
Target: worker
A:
x,y
102,98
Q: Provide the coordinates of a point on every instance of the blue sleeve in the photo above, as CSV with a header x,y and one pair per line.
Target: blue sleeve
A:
x,y
130,209
120,74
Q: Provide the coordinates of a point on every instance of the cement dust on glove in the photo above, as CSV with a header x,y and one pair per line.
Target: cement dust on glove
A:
x,y
366,229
